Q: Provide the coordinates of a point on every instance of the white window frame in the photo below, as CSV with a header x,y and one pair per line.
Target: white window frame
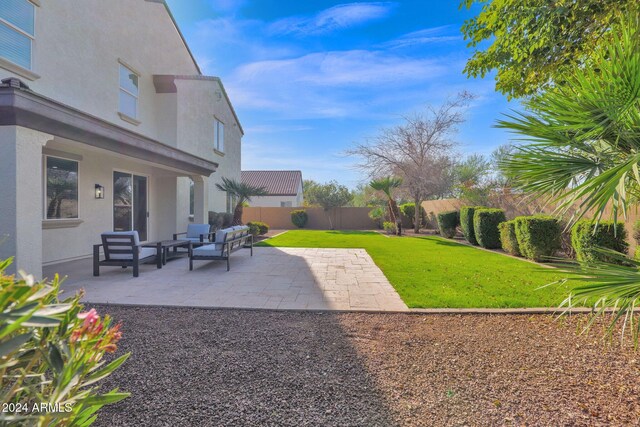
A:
x,y
45,185
19,30
217,125
123,115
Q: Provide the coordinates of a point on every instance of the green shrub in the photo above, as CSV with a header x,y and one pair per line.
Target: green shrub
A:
x,y
299,218
53,352
466,223
586,236
254,229
389,227
408,210
377,214
538,236
485,226
636,238
261,227
447,223
508,237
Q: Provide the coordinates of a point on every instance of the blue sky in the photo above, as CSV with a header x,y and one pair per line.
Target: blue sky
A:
x,y
309,79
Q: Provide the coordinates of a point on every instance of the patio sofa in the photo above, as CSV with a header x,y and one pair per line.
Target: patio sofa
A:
x,y
122,249
198,234
227,241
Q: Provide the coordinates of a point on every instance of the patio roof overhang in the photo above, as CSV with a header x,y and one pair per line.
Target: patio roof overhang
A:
x,y
19,106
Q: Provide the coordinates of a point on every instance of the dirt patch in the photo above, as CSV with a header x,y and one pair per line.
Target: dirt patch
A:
x,y
231,367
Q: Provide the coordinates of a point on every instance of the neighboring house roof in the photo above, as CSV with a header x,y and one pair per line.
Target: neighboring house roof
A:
x,y
277,183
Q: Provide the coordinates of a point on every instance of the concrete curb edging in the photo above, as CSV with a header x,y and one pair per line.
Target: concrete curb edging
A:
x,y
413,311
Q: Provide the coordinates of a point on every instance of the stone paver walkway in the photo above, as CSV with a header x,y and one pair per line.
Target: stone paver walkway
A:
x,y
275,278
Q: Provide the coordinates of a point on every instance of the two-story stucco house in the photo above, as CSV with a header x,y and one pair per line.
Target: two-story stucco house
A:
x,y
106,123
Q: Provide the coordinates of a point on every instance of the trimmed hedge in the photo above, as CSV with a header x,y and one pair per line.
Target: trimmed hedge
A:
x,y
538,236
299,218
408,210
261,227
485,226
447,223
508,237
466,223
586,237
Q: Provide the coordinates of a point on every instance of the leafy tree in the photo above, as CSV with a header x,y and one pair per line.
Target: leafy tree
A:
x,y
479,179
532,43
419,151
583,153
242,192
330,196
364,196
308,188
387,185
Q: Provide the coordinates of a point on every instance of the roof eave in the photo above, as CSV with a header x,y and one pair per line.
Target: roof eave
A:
x,y
23,107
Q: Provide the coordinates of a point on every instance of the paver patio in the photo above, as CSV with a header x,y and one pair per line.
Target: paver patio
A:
x,y
274,278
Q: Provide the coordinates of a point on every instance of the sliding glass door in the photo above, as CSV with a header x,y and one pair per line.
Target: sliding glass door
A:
x,y
130,200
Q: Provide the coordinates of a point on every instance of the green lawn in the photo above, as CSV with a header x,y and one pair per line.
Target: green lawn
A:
x,y
433,272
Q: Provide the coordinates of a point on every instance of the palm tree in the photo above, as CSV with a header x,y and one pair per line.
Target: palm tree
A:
x,y
387,185
243,194
583,153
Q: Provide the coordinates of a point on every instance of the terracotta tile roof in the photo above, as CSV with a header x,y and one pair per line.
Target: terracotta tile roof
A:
x,y
277,183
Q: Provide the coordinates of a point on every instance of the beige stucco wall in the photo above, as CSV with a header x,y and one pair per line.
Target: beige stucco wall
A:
x,y
77,49
341,218
97,167
274,201
21,196
199,103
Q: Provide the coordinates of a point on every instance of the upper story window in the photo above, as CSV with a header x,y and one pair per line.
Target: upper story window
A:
x,y
218,135
61,189
17,22
128,92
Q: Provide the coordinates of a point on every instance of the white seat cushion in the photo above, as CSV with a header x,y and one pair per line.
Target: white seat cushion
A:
x,y
144,253
207,250
195,230
220,234
113,236
195,239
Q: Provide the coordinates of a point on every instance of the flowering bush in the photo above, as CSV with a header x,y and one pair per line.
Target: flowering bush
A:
x,y
51,354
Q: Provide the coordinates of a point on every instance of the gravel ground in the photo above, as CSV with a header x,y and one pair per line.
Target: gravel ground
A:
x,y
249,368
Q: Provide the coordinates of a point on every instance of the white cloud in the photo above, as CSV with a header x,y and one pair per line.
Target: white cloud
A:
x,y
343,68
335,18
442,34
277,128
227,42
330,85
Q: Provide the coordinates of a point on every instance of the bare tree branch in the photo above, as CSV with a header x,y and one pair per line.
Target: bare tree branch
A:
x,y
420,151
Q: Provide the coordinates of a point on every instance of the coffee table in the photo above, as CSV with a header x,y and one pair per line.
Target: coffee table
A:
x,y
166,245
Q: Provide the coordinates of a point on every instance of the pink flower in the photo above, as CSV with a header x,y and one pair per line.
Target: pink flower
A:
x,y
90,317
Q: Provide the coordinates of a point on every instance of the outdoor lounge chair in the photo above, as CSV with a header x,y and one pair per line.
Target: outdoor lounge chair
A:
x,y
122,249
198,234
227,241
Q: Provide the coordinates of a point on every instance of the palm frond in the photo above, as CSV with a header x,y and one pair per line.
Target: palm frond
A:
x,y
607,287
